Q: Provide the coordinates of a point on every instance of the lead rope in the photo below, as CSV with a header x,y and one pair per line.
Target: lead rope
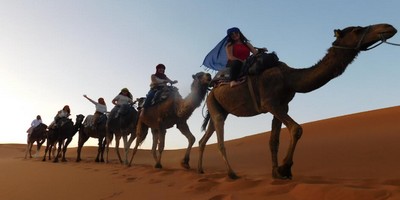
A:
x,y
384,41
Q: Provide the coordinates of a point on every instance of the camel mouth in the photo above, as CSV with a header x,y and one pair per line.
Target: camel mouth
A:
x,y
383,35
388,33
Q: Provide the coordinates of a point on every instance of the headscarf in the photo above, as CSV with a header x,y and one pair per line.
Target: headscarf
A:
x,y
126,90
217,58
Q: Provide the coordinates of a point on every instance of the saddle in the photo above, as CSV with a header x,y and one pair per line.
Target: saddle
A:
x,y
62,121
162,94
89,120
254,65
125,109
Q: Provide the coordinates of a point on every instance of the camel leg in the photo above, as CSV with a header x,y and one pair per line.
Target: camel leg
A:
x,y
134,151
81,142
202,145
99,150
28,149
285,170
109,138
45,151
141,132
58,151
219,122
156,140
126,147
102,144
117,139
65,149
184,128
37,149
161,145
53,149
274,145
39,145
131,139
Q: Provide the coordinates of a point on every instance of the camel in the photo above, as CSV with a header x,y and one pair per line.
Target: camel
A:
x,y
63,136
88,131
122,126
173,110
274,88
38,135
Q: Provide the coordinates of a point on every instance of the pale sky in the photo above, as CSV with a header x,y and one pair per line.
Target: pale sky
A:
x,y
52,52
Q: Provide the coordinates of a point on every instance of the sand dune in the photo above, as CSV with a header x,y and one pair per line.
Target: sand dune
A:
x,y
347,157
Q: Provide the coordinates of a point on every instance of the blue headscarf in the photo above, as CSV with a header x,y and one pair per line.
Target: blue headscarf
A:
x,y
216,59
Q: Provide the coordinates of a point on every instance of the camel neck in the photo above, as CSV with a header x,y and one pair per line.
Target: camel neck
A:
x,y
191,102
332,65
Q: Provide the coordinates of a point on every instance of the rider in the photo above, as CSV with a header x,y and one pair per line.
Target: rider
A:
x,y
34,124
64,113
158,81
238,49
123,98
101,109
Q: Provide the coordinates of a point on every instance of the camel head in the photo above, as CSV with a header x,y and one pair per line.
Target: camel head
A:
x,y
79,119
201,80
361,38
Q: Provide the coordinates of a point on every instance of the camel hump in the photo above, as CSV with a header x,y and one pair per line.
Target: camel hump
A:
x,y
261,62
163,93
88,121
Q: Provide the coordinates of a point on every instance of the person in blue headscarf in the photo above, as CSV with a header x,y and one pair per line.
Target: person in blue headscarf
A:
x,y
231,52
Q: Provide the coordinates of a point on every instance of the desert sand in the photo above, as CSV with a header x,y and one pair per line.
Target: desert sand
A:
x,y
348,157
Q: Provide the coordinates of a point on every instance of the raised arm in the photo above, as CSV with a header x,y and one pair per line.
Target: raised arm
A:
x,y
91,100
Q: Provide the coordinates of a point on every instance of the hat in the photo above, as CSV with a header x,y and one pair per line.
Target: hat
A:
x,y
232,30
124,90
160,66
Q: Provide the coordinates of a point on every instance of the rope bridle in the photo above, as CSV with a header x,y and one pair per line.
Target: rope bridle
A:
x,y
383,40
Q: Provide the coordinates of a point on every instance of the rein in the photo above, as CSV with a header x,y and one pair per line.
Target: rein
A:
x,y
383,40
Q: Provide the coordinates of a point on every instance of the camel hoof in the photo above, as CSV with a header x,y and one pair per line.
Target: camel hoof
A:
x,y
233,176
200,171
185,165
283,172
78,160
97,160
158,166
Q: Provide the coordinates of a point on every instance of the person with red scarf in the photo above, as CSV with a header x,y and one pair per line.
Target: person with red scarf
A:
x,y
238,49
158,81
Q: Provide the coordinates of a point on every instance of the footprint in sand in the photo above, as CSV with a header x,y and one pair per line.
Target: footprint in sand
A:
x,y
131,179
221,197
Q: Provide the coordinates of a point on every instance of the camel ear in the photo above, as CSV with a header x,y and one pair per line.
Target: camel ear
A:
x,y
338,33
194,76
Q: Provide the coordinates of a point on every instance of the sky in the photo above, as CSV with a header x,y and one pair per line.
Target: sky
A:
x,y
52,52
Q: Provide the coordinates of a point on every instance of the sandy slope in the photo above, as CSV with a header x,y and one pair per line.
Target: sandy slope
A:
x,y
348,157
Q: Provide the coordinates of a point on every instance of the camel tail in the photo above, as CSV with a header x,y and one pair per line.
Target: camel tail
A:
x,y
205,122
141,135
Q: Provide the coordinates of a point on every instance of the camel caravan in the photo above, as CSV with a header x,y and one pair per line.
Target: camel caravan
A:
x,y
268,87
